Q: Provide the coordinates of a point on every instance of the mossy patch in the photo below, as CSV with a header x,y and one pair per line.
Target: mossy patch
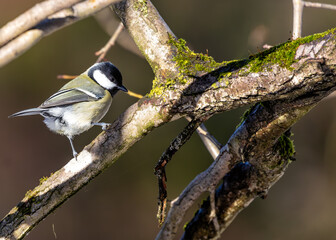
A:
x,y
191,63
285,146
29,193
283,54
43,179
157,88
141,5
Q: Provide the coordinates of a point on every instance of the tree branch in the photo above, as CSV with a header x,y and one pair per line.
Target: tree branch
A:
x,y
160,168
298,6
32,17
109,22
211,143
252,166
258,143
46,26
102,52
262,77
130,127
150,33
320,5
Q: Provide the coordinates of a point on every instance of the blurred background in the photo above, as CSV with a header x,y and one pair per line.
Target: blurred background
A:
x,y
121,203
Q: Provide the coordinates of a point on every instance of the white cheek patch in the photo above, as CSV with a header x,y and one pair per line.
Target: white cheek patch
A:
x,y
102,80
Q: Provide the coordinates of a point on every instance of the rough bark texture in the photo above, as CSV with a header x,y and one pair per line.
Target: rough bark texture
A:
x,y
142,19
289,79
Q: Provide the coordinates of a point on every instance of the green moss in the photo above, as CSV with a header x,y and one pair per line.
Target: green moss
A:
x,y
185,225
141,5
285,146
158,87
28,194
189,62
13,210
43,179
283,54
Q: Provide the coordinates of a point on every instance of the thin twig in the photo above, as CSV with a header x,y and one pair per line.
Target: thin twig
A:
x,y
209,141
54,232
66,77
297,18
298,6
320,5
160,171
102,52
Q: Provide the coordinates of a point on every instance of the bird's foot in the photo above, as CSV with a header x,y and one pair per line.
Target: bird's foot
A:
x,y
106,126
103,125
75,154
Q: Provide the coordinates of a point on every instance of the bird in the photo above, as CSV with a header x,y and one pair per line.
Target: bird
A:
x,y
81,103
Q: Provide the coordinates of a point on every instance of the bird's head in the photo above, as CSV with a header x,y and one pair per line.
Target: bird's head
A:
x,y
107,76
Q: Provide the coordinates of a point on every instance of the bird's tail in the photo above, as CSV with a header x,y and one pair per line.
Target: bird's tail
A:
x,y
27,112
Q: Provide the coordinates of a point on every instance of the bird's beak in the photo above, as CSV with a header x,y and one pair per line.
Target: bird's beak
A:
x,y
122,88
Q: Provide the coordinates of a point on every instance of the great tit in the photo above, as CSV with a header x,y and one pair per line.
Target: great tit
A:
x,y
81,103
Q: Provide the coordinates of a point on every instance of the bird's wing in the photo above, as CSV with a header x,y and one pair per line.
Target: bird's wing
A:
x,y
70,96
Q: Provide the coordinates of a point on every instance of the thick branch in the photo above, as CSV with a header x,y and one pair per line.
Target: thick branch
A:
x,y
254,142
265,156
32,17
134,124
150,33
54,22
263,77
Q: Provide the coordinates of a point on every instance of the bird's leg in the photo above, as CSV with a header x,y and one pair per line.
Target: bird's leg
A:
x,y
74,153
103,125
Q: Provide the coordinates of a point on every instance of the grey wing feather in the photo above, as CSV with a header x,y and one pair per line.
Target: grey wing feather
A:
x,y
69,96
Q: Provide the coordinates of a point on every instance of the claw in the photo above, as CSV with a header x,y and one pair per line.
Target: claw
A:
x,y
106,126
103,125
75,154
